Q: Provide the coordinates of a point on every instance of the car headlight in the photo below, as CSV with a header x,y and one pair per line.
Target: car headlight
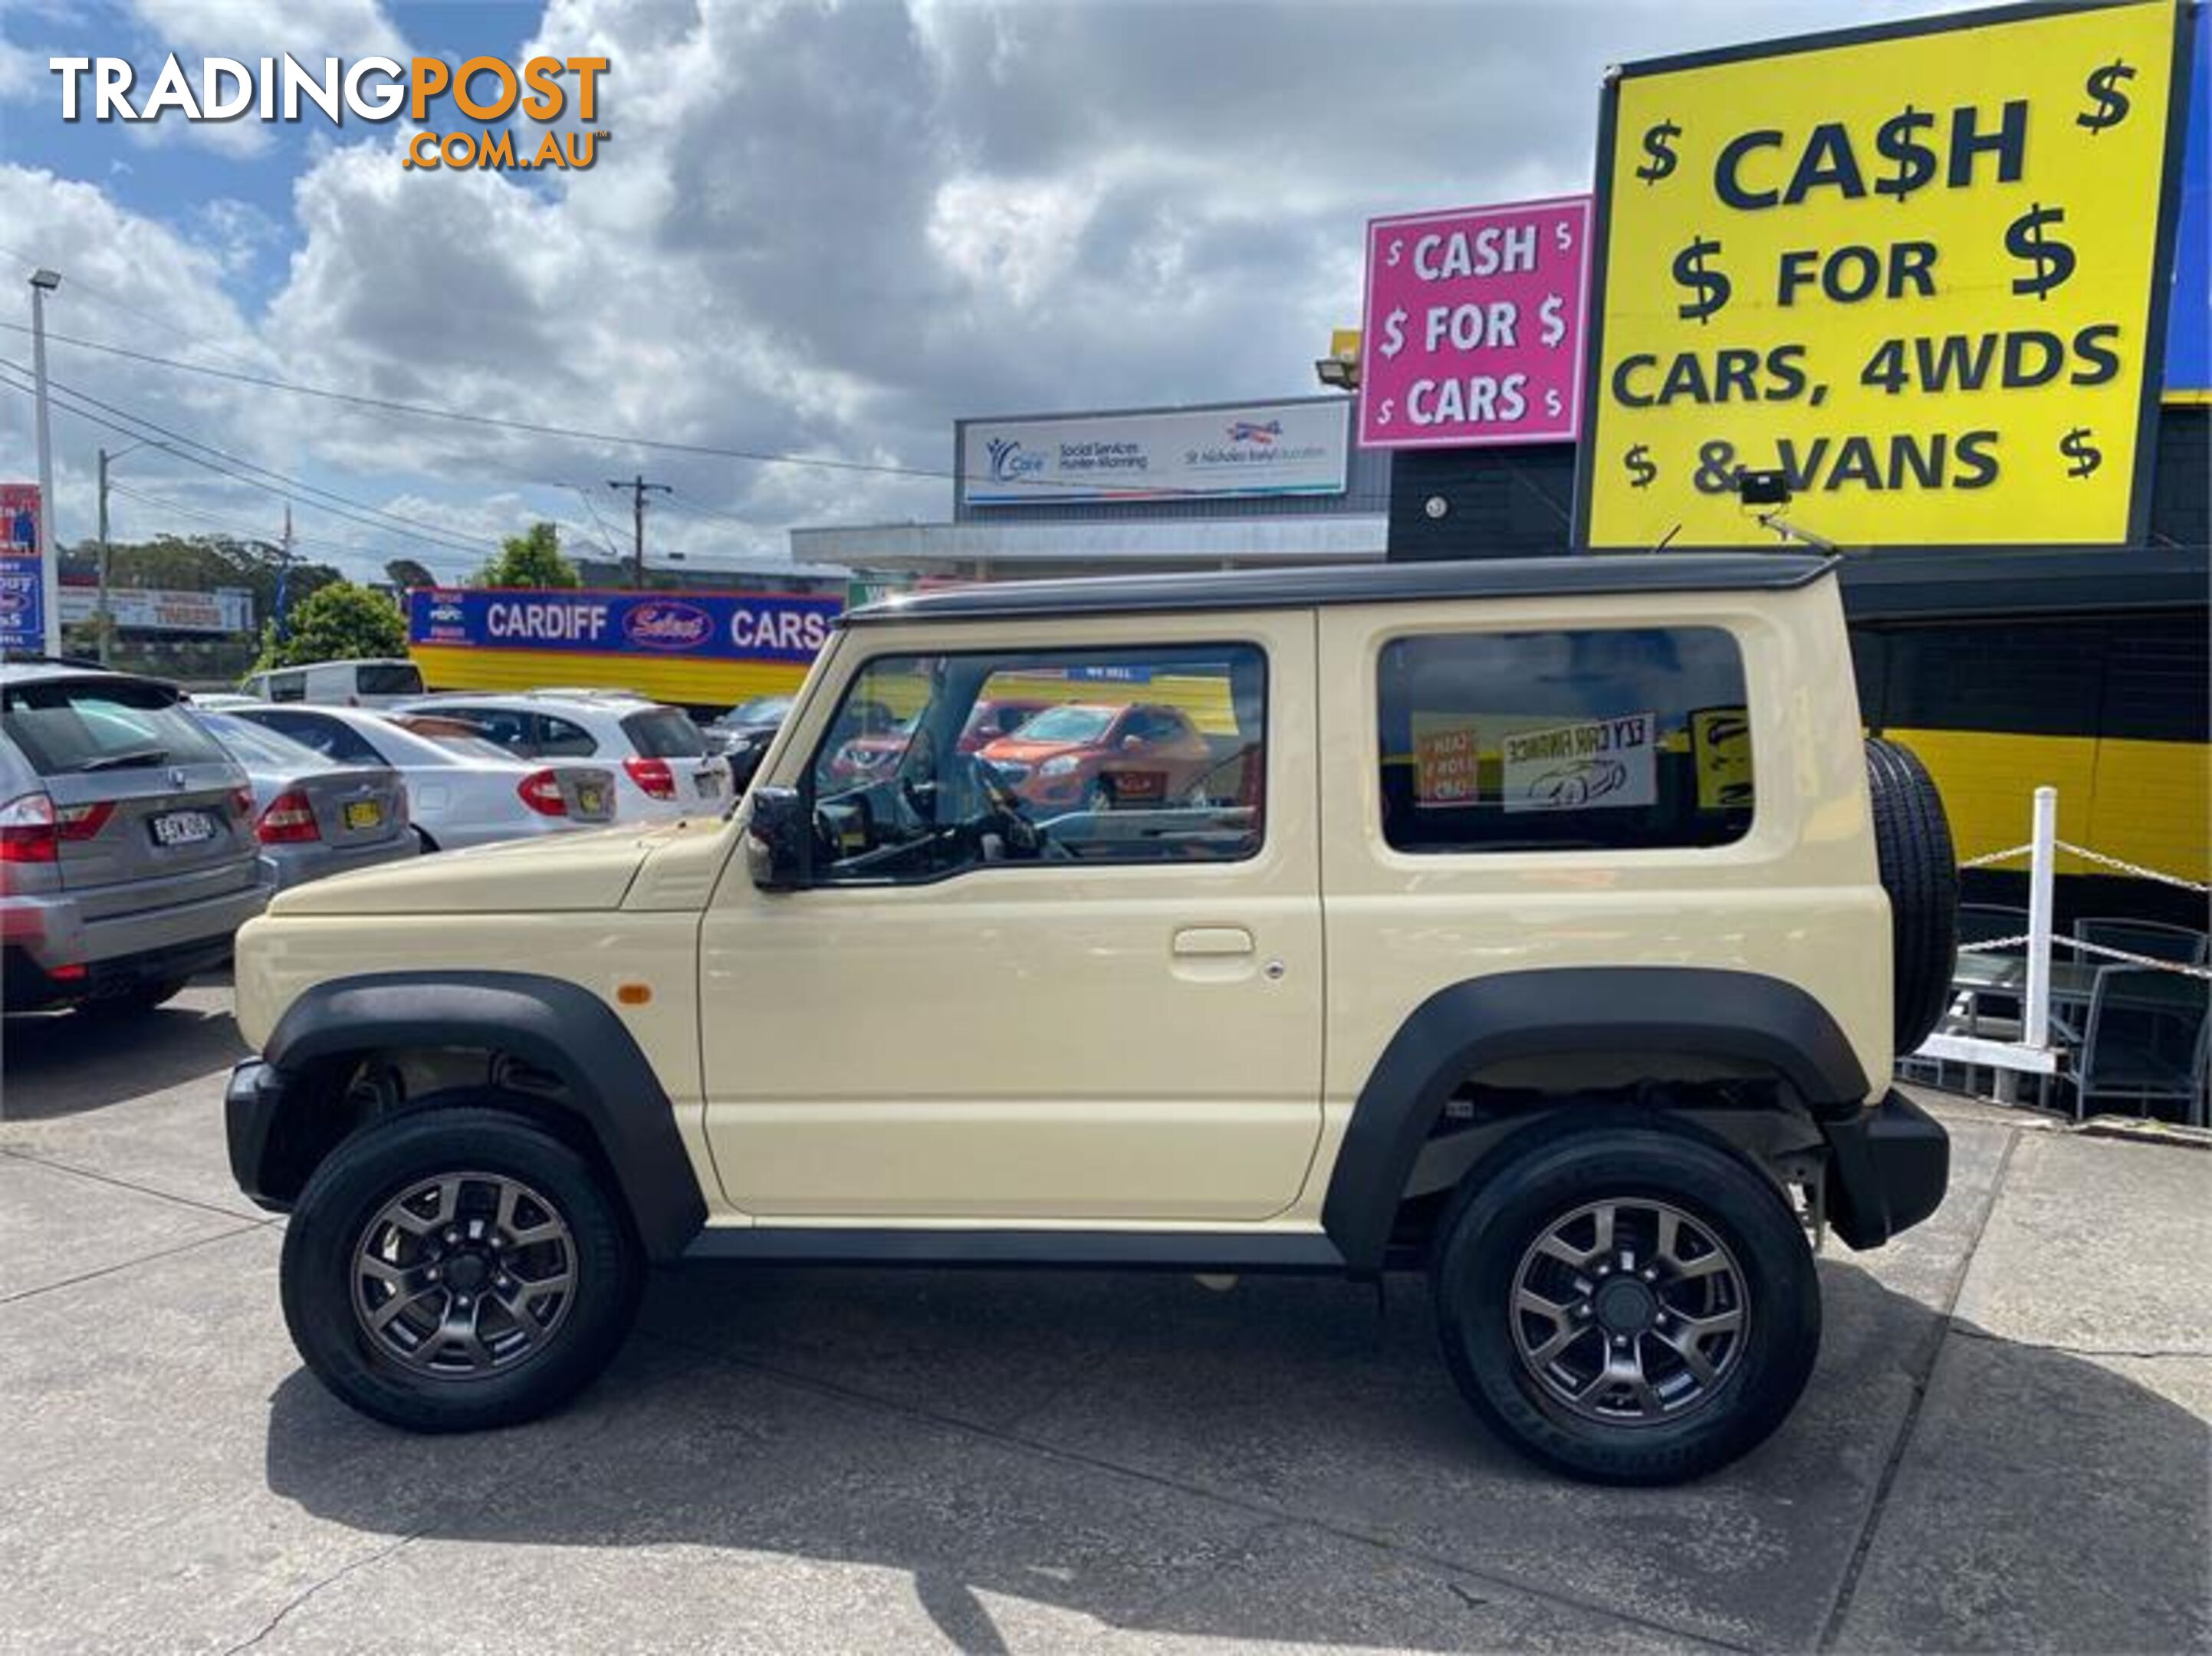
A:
x,y
1060,765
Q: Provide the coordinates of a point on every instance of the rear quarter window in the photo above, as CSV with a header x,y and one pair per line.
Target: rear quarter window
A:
x,y
663,733
66,726
389,678
1599,739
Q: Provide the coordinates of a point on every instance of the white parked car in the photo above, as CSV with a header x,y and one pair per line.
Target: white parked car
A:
x,y
367,683
664,766
462,791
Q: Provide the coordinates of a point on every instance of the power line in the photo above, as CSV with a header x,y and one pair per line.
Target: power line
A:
x,y
259,536
711,451
379,518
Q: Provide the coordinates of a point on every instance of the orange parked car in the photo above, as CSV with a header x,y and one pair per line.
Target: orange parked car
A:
x,y
1079,756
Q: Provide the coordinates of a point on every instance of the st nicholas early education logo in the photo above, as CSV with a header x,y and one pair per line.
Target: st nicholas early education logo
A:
x,y
1251,431
430,90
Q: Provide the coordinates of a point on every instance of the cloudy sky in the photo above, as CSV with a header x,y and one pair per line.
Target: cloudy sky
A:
x,y
818,229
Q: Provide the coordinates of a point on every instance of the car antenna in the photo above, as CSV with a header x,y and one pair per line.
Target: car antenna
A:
x,y
1666,540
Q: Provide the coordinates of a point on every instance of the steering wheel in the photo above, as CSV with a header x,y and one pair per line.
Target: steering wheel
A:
x,y
1021,835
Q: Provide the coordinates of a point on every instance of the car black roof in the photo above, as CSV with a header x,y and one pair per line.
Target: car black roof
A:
x,y
1368,583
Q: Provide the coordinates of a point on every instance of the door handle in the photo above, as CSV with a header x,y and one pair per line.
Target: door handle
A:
x,y
1200,941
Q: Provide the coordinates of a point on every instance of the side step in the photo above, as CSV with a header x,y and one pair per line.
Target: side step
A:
x,y
1077,1250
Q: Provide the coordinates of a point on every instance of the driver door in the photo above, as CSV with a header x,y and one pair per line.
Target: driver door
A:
x,y
988,1009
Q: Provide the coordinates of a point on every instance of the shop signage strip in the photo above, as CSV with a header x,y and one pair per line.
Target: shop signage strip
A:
x,y
723,626
1237,449
1473,326
22,615
1919,269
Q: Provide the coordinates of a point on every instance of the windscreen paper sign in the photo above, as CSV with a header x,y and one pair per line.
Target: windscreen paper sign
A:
x,y
723,626
1447,761
1473,326
1595,764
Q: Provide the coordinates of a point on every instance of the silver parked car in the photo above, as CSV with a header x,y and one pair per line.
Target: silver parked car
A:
x,y
461,791
127,855
315,816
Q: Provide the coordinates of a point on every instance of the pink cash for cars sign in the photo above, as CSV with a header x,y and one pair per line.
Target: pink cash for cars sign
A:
x,y
1473,327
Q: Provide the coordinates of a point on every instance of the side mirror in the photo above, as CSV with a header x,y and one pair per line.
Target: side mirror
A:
x,y
778,840
1130,743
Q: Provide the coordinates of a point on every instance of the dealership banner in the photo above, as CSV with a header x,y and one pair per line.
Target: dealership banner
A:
x,y
1237,449
1918,269
23,618
162,609
1473,329
721,625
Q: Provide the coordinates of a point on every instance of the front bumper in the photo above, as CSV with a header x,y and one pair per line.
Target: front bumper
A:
x,y
253,1104
1889,1168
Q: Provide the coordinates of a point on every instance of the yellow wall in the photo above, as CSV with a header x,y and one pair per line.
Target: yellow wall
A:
x,y
2148,802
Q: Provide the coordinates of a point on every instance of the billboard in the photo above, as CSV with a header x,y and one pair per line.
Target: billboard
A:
x,y
712,626
162,609
1473,329
22,615
1919,269
1233,449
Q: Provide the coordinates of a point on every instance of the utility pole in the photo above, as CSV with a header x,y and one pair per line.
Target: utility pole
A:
x,y
638,486
44,282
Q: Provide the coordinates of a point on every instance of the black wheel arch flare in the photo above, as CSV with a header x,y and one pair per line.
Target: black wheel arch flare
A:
x,y
545,1022
1468,1026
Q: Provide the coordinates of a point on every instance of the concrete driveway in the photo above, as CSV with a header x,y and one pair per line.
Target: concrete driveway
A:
x,y
2005,1446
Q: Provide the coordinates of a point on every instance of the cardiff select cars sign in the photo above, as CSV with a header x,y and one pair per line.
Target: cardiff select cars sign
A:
x,y
1917,269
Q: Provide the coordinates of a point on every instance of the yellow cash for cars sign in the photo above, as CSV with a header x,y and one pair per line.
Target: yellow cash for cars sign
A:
x,y
1919,269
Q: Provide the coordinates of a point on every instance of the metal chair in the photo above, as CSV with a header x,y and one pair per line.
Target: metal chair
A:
x,y
2154,938
2148,1041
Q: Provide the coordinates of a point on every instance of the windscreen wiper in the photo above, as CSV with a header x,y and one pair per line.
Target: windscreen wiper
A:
x,y
116,762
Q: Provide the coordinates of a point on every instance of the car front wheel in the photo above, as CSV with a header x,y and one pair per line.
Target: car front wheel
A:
x,y
1628,1305
455,1268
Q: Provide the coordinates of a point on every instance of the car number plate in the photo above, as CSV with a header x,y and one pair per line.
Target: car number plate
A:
x,y
364,814
183,827
591,799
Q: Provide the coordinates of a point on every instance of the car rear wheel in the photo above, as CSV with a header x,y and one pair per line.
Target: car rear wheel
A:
x,y
1628,1305
455,1268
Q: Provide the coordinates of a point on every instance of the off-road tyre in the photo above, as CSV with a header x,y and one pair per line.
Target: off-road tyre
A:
x,y
1491,1233
444,1134
1920,872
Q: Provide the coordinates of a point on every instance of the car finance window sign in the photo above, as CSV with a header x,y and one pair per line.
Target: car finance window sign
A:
x,y
1918,269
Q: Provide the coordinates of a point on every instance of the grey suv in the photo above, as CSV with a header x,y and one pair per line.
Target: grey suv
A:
x,y
127,853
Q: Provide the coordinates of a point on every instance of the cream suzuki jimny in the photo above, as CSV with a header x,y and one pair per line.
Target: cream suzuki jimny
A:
x,y
1546,926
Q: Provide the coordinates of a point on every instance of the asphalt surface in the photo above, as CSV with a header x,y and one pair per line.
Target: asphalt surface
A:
x,y
2005,1445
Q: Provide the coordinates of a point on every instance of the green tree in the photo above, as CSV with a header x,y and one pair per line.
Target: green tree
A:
x,y
339,622
406,572
531,560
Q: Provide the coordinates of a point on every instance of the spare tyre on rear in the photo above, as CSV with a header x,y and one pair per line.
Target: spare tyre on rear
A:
x,y
1920,872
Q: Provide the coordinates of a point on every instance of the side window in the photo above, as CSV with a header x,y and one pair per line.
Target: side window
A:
x,y
505,726
904,789
287,687
563,739
1603,739
328,736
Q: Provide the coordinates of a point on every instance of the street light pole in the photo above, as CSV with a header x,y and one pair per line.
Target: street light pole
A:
x,y
100,621
44,282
